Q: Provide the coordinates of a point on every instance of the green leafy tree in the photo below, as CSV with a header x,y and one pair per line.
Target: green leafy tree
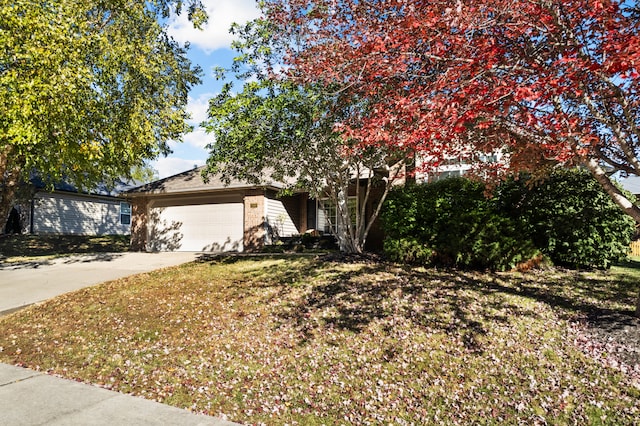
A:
x,y
144,173
89,90
278,130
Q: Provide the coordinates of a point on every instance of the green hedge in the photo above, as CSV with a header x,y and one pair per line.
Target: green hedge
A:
x,y
451,222
571,219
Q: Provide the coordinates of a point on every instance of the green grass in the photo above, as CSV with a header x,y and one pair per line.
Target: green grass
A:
x,y
29,247
281,340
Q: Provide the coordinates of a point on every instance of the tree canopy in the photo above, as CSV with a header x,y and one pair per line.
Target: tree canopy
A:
x,y
550,82
277,129
88,89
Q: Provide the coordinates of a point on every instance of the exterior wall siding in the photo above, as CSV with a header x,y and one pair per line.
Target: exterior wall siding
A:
x,y
279,221
71,214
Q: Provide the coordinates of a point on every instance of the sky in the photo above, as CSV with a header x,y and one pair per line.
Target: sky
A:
x,y
209,48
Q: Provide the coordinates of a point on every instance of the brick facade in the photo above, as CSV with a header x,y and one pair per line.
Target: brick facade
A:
x,y
254,232
139,219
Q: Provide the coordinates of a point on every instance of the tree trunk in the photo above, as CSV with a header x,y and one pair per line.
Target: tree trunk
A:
x,y
348,241
638,305
616,195
9,181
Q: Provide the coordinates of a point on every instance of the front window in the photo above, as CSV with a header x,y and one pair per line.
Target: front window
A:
x,y
125,214
328,214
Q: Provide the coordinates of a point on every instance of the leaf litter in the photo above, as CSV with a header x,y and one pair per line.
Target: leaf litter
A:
x,y
320,341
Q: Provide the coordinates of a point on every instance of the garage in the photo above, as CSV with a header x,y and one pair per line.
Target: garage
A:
x,y
194,225
186,213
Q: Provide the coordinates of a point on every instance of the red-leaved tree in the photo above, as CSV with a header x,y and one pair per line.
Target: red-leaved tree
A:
x,y
548,81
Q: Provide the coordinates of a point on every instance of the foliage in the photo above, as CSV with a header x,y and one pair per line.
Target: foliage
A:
x,y
547,81
407,250
571,219
275,129
88,90
300,340
454,221
144,173
566,216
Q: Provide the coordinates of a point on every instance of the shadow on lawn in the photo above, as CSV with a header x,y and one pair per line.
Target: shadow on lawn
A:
x,y
29,264
61,245
589,295
453,302
37,263
441,301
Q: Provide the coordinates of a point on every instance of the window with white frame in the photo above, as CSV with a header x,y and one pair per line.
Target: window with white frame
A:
x,y
328,214
125,214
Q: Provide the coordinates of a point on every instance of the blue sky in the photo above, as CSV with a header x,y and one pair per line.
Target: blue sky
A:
x,y
209,48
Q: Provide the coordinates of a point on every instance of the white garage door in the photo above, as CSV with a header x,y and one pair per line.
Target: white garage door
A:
x,y
205,227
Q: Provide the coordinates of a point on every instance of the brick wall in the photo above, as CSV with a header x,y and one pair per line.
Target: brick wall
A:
x,y
139,219
254,232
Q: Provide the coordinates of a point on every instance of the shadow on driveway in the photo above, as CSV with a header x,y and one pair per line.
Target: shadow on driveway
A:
x,y
31,282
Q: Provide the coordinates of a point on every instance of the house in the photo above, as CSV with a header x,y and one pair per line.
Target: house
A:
x,y
455,165
183,213
67,211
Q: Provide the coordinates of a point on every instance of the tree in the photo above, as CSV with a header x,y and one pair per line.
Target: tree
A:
x,y
551,82
144,173
88,89
276,130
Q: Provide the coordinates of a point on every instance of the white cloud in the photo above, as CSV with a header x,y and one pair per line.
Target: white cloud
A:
x,y
170,166
198,107
215,34
198,138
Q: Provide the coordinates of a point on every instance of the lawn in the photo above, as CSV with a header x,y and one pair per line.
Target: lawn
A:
x,y
14,248
292,340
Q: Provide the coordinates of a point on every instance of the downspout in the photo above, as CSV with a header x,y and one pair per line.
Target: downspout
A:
x,y
31,213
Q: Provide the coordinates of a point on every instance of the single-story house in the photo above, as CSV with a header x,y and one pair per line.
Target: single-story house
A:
x,y
183,213
67,211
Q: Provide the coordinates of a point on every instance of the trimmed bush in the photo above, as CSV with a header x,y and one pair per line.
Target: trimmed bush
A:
x,y
567,217
451,223
571,219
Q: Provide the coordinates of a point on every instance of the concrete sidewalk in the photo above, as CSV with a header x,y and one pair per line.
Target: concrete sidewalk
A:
x,y
23,284
31,398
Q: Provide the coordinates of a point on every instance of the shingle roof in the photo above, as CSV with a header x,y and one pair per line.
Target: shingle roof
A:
x,y
100,189
631,184
191,181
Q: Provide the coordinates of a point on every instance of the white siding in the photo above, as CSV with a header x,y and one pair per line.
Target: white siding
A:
x,y
196,225
58,213
278,221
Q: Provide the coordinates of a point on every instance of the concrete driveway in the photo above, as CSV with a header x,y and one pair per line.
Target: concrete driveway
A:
x,y
22,284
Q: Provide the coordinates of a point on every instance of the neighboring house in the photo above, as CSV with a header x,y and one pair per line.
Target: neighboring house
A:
x,y
183,213
66,211
631,184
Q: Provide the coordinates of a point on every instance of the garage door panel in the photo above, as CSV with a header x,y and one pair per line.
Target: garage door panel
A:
x,y
208,227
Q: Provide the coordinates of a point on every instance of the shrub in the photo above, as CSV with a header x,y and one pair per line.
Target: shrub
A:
x,y
451,223
571,219
407,250
567,217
